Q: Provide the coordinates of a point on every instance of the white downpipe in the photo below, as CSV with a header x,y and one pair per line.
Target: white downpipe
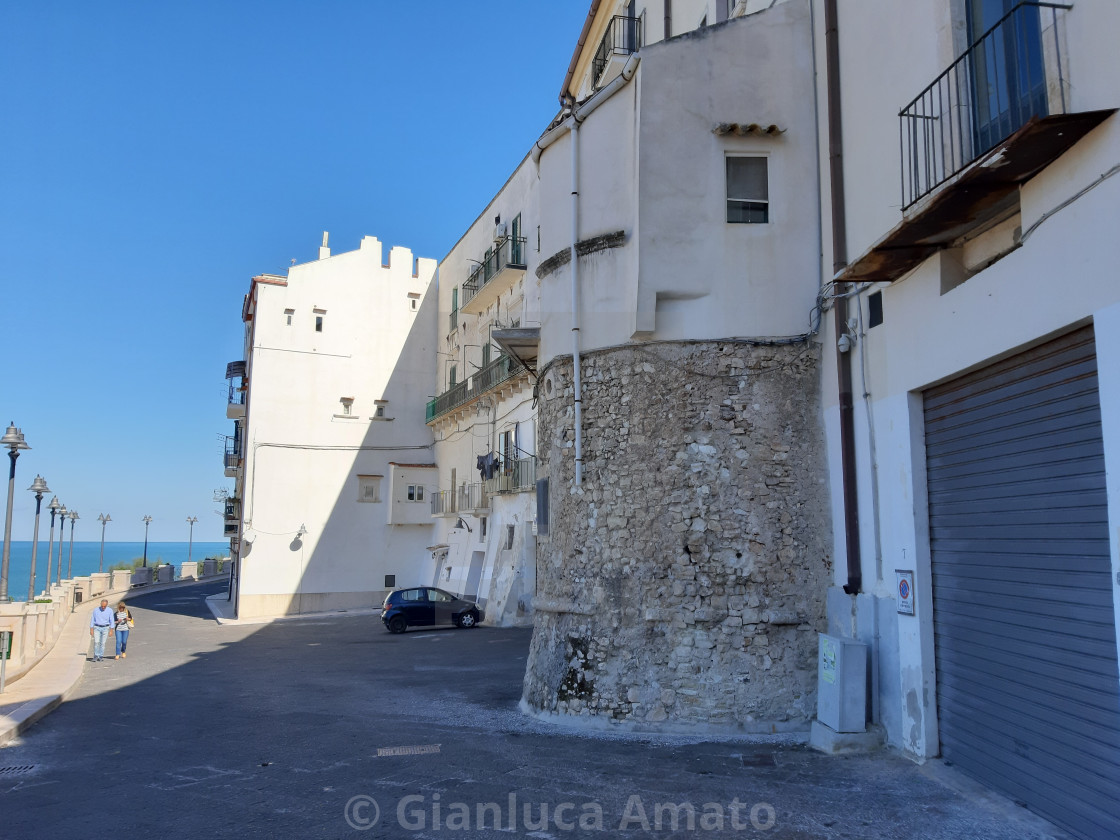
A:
x,y
581,113
576,381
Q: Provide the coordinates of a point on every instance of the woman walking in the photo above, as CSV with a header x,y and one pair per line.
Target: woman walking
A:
x,y
123,623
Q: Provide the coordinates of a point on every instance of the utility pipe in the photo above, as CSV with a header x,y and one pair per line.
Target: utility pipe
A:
x,y
840,306
571,125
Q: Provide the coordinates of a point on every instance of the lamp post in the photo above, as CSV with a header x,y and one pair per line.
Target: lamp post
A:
x,y
54,507
13,439
62,514
38,487
70,562
104,519
190,540
147,522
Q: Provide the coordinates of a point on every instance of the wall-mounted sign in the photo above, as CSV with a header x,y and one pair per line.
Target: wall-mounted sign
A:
x,y
905,591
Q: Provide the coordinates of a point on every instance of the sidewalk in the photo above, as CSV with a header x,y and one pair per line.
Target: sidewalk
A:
x,y
55,677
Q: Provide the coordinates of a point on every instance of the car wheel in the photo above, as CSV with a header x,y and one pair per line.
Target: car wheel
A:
x,y
397,624
468,619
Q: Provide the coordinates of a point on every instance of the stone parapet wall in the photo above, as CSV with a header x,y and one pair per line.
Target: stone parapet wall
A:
x,y
684,581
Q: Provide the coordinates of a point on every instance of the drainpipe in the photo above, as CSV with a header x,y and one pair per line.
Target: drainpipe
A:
x,y
840,306
574,264
571,125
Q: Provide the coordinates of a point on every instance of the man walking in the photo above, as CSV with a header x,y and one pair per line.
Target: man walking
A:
x,y
100,627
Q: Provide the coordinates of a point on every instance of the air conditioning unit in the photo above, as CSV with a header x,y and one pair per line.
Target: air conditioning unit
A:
x,y
499,231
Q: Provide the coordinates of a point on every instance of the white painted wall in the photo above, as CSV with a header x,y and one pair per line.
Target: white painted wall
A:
x,y
303,454
1064,275
650,165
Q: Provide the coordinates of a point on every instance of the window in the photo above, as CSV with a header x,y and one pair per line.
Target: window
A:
x,y
416,492
438,596
413,301
347,406
874,309
454,374
288,316
486,354
482,529
380,411
390,581
414,595
748,197
509,537
542,507
369,488
318,323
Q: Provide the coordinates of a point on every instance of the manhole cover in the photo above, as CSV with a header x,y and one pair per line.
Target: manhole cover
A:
x,y
17,770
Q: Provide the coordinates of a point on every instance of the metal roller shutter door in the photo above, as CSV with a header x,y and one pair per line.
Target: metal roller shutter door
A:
x,y
1027,685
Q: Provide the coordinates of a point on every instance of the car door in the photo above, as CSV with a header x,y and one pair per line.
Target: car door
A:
x,y
416,607
441,603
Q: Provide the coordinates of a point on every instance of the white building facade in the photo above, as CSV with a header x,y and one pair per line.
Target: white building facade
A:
x,y
483,417
683,521
971,223
331,460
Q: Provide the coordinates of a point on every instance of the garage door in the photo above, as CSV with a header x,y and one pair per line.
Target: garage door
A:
x,y
1027,683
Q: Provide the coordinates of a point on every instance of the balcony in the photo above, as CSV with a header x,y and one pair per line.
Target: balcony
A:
x,y
468,498
623,37
232,509
232,456
229,528
501,267
991,121
514,476
487,377
235,373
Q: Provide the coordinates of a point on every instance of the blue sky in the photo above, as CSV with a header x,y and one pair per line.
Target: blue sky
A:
x,y
155,156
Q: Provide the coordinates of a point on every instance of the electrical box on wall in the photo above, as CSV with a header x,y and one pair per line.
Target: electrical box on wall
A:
x,y
842,684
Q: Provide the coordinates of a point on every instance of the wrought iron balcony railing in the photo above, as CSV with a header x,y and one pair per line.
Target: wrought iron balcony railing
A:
x,y
1013,73
623,36
454,325
232,451
509,252
467,498
514,476
498,371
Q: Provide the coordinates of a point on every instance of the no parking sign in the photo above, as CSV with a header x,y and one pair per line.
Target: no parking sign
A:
x,y
905,591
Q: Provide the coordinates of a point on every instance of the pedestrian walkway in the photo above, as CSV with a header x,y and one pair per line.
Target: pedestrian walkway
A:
x,y
55,677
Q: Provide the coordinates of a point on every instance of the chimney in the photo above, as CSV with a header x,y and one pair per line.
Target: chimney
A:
x,y
324,250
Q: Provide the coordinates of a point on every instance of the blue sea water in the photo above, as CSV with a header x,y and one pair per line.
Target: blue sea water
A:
x,y
86,556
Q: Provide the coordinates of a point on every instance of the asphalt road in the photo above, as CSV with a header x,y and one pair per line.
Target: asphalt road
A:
x,y
324,728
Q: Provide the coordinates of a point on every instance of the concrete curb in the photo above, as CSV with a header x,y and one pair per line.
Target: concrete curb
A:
x,y
56,676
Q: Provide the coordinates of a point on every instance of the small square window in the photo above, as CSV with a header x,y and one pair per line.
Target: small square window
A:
x,y
390,581
347,406
380,412
416,492
288,316
748,195
369,488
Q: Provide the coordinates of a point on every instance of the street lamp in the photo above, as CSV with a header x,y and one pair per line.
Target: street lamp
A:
x,y
70,562
104,519
13,439
147,522
190,541
54,507
62,514
38,487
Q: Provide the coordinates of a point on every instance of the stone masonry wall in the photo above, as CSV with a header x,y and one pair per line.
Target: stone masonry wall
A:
x,y
684,582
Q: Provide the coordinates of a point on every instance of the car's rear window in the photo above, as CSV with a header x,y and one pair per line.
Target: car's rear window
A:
x,y
412,595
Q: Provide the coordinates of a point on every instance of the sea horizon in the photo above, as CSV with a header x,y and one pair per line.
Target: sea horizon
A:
x,y
87,556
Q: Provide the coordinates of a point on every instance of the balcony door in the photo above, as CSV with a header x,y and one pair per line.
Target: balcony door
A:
x,y
1009,82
